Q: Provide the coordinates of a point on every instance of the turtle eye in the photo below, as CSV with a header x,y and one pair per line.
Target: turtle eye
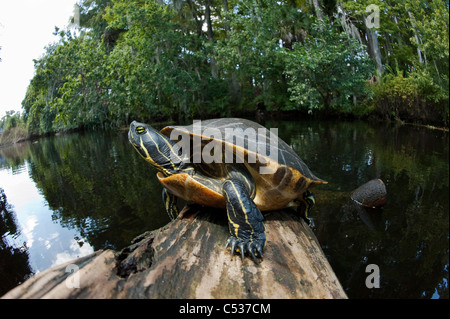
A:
x,y
140,130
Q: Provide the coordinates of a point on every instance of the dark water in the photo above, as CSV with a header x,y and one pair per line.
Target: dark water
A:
x,y
67,196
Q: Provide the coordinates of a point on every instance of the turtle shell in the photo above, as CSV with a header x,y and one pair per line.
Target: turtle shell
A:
x,y
279,174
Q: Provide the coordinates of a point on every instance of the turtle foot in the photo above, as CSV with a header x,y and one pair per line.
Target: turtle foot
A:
x,y
254,248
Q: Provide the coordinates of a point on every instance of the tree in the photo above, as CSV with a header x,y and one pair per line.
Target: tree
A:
x,y
250,54
168,60
67,90
157,60
327,70
410,44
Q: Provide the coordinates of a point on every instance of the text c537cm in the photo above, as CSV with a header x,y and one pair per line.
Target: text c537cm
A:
x,y
246,308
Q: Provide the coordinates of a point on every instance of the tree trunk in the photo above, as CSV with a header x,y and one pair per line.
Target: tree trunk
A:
x,y
347,24
210,35
235,87
327,98
187,259
318,10
373,47
194,14
418,41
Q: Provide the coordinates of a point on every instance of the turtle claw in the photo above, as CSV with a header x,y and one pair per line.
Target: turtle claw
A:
x,y
242,249
259,249
253,256
255,248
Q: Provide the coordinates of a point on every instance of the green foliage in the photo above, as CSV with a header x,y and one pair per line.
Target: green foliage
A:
x,y
173,60
415,96
11,119
251,54
80,100
12,128
154,67
327,71
414,37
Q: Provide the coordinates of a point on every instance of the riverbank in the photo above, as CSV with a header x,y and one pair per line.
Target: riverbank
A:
x,y
19,134
13,135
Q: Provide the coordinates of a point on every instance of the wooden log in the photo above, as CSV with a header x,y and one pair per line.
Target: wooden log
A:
x,y
187,259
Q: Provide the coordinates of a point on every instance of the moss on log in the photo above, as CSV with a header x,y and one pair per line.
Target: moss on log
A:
x,y
187,259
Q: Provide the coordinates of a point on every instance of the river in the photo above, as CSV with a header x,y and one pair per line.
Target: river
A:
x,y
69,195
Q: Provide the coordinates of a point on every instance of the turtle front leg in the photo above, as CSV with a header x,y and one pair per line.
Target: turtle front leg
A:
x,y
170,202
244,220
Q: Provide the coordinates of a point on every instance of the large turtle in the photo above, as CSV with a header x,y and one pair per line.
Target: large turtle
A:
x,y
258,178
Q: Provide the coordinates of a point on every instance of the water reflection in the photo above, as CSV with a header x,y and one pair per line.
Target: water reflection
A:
x,y
408,239
77,193
94,183
44,241
14,259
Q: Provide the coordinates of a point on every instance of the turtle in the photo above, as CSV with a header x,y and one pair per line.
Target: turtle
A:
x,y
240,186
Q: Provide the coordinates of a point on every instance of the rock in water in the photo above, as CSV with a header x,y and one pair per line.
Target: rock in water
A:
x,y
371,194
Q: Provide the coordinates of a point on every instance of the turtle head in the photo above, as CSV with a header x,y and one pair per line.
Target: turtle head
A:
x,y
154,147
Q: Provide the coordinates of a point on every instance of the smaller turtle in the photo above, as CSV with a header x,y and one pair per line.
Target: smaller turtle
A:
x,y
239,187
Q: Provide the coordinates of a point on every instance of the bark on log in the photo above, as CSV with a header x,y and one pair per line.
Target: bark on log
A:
x,y
187,259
